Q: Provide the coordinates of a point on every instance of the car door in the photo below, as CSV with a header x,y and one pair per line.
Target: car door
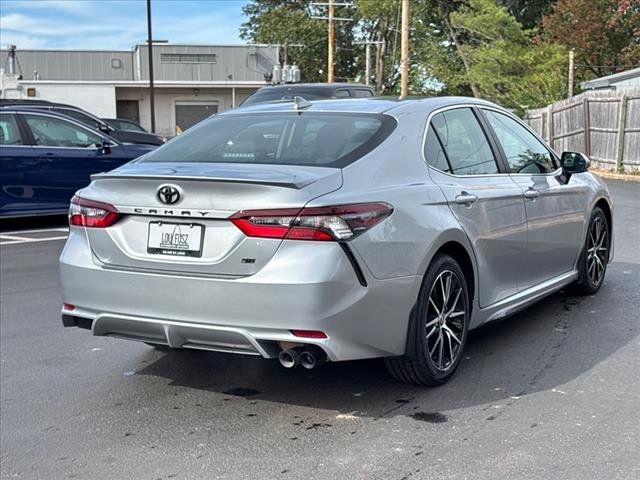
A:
x,y
486,202
70,151
555,210
23,188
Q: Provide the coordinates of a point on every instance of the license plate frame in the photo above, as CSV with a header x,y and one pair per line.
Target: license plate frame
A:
x,y
183,246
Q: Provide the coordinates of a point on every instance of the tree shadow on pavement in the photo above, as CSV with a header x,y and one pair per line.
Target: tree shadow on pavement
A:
x,y
543,347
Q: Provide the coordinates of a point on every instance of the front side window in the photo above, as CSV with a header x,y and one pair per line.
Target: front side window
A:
x,y
9,133
308,138
524,152
125,125
56,132
464,143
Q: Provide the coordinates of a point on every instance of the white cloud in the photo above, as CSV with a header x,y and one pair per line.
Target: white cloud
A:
x,y
24,41
107,25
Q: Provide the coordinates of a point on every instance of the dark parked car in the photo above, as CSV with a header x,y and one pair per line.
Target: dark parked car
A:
x,y
123,135
308,91
46,157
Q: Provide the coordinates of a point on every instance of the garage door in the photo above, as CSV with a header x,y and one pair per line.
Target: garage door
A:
x,y
190,113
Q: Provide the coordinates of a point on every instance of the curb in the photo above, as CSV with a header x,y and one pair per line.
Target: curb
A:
x,y
616,176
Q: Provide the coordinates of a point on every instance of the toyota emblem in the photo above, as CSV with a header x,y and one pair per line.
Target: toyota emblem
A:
x,y
168,194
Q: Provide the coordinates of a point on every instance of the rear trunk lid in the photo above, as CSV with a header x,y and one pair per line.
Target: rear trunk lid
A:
x,y
208,195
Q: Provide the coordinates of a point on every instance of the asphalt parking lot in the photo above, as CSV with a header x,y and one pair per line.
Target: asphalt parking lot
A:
x,y
553,392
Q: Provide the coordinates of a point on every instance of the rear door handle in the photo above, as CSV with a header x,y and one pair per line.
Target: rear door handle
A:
x,y
466,198
531,193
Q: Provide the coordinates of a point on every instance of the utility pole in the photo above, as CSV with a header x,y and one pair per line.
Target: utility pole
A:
x,y
331,32
331,43
404,55
367,62
571,68
152,104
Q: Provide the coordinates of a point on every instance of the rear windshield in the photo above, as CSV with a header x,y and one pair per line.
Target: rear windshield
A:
x,y
273,95
309,138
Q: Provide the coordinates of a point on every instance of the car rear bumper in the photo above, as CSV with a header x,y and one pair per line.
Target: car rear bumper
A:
x,y
305,286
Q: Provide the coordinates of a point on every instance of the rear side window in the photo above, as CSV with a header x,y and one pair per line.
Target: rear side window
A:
x,y
524,152
463,142
9,133
308,138
433,152
361,92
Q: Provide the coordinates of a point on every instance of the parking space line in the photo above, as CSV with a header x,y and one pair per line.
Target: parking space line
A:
x,y
12,237
32,240
37,230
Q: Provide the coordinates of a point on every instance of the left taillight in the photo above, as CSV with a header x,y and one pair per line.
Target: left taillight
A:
x,y
89,213
333,223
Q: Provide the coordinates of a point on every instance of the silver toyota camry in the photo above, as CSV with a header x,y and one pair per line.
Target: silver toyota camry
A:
x,y
335,230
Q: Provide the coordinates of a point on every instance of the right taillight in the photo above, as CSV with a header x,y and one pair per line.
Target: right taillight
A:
x,y
90,213
334,223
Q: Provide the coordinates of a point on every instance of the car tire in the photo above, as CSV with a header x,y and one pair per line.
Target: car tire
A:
x,y
438,329
592,264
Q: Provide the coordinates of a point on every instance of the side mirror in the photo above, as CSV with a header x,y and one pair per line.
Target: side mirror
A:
x,y
575,162
105,148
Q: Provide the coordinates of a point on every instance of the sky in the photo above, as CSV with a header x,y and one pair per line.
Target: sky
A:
x,y
116,24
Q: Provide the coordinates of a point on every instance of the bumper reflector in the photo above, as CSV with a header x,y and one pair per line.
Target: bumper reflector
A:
x,y
309,333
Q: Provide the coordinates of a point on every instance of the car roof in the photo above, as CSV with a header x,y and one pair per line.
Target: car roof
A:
x,y
35,104
32,109
364,105
326,86
118,120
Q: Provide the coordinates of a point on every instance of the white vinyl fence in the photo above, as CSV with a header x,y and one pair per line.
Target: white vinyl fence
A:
x,y
604,125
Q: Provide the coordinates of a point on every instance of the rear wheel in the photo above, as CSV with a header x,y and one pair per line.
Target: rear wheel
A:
x,y
440,327
592,264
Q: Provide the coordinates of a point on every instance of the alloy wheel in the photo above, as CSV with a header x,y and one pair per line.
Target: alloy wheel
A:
x,y
597,251
445,320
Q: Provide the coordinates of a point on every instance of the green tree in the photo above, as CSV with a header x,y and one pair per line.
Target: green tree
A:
x,y
529,13
288,23
502,61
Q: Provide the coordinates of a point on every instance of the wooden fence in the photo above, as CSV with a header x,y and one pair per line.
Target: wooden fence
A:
x,y
604,125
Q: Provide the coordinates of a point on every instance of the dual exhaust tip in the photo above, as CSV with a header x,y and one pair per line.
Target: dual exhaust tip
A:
x,y
309,357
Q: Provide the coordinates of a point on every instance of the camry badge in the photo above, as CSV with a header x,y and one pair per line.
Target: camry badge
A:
x,y
168,194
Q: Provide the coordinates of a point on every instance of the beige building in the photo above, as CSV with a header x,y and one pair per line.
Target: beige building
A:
x,y
191,81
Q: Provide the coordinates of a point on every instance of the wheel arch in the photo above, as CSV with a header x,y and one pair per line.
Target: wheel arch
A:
x,y
456,245
604,204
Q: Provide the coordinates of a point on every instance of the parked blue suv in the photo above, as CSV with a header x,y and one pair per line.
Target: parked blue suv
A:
x,y
45,157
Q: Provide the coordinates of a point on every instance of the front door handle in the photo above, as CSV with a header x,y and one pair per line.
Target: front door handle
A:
x,y
531,193
466,198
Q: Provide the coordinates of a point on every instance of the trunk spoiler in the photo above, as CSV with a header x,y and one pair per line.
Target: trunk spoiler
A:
x,y
286,176
293,183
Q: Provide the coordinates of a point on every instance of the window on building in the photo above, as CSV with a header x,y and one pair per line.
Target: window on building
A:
x,y
188,58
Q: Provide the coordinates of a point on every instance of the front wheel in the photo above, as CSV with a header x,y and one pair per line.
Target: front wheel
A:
x,y
592,264
440,327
